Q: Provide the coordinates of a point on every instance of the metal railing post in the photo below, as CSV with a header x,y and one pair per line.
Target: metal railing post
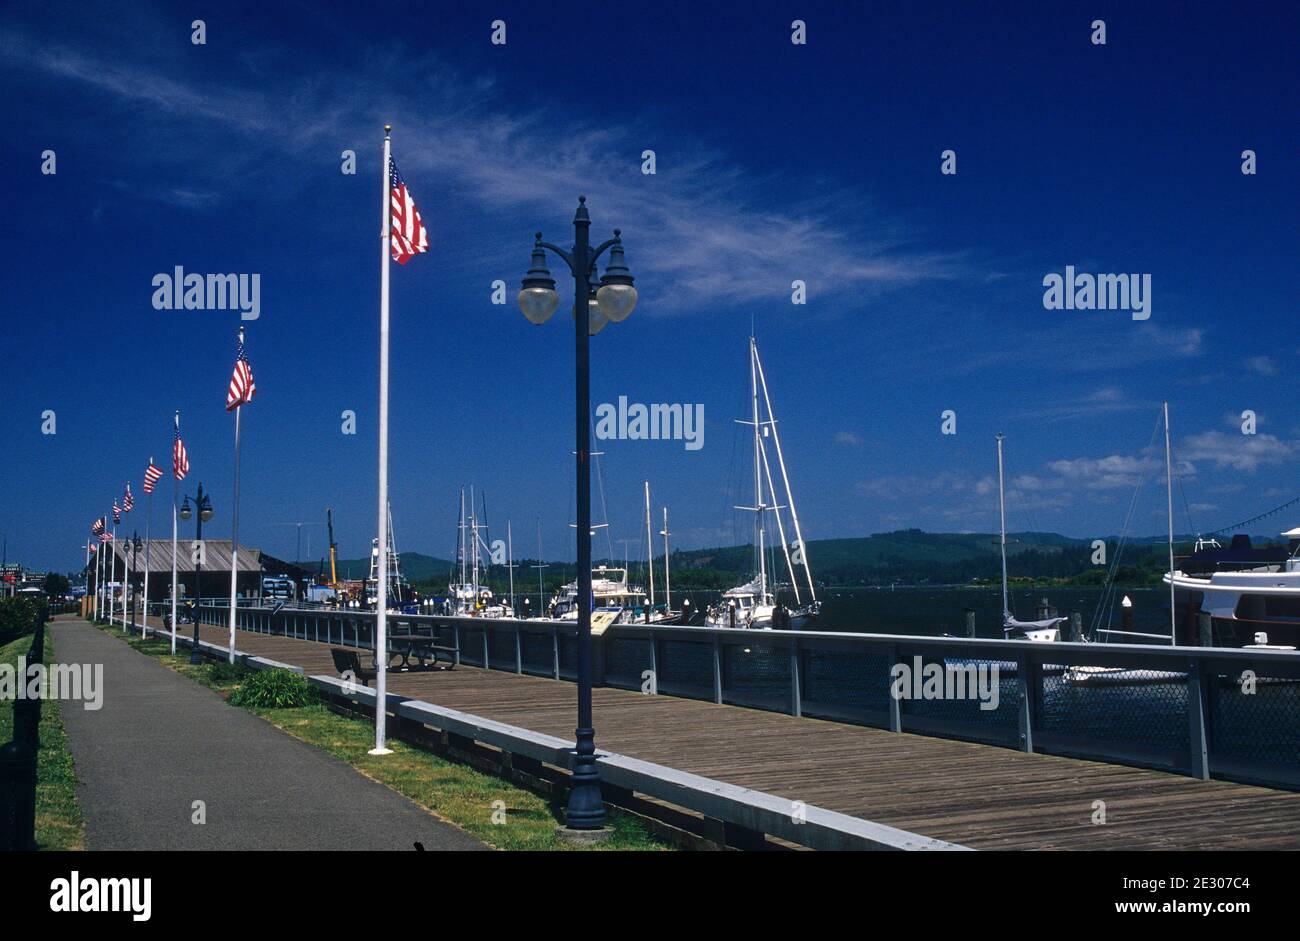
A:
x,y
796,680
1026,680
717,670
1197,722
519,652
895,702
654,660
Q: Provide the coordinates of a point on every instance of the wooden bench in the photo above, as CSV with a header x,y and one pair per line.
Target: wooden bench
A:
x,y
347,661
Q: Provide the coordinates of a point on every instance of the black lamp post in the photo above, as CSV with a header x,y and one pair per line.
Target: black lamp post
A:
x,y
612,299
204,506
136,546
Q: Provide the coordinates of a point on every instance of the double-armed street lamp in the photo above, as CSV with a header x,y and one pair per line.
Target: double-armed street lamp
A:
x,y
204,506
611,298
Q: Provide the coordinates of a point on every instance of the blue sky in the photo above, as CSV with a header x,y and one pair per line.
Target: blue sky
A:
x,y
775,162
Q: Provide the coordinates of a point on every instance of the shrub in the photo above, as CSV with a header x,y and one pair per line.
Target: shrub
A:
x,y
223,674
19,616
274,689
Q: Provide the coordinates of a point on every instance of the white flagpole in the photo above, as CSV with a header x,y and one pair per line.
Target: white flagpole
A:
x,y
112,608
234,527
99,575
148,518
85,571
126,573
103,567
174,485
381,572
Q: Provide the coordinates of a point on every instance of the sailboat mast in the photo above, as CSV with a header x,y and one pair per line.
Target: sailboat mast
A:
x,y
668,585
461,547
541,588
789,493
758,474
1169,499
1002,524
649,545
473,535
510,563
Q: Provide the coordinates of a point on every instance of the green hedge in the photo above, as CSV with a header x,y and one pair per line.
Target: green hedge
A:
x,y
21,616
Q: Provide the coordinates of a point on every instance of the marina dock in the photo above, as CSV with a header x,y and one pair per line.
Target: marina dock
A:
x,y
979,796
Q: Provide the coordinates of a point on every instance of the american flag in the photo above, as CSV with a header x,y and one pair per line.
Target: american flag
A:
x,y
180,460
128,501
151,476
242,388
105,537
409,235
97,527
117,512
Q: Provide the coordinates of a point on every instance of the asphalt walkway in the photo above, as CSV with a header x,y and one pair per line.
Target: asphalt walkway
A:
x,y
162,742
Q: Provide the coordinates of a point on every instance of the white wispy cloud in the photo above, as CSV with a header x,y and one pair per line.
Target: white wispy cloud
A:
x,y
1100,343
1237,451
704,231
1262,365
1105,473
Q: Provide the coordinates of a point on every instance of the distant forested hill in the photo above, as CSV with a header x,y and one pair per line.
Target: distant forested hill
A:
x,y
416,567
912,557
908,557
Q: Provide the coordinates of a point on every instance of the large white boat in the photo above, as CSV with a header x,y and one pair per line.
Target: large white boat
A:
x,y
1251,595
754,604
610,590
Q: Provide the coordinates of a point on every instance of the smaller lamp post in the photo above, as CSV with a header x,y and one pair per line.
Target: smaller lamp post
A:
x,y
204,506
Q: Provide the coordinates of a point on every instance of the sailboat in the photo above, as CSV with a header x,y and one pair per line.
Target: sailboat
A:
x,y
1124,676
1048,630
753,604
469,597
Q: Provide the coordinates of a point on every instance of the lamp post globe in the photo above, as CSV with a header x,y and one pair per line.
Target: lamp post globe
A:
x,y
596,319
538,298
616,294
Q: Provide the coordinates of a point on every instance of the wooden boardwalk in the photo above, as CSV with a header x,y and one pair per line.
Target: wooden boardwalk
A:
x,y
980,796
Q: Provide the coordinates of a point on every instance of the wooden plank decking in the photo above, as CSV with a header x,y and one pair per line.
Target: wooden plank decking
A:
x,y
979,796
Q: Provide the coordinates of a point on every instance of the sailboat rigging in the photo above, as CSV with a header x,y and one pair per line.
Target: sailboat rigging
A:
x,y
754,605
1046,630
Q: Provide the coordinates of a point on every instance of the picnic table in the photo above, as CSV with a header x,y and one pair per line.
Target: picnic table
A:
x,y
422,648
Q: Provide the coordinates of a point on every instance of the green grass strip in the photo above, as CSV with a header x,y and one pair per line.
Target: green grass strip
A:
x,y
59,821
